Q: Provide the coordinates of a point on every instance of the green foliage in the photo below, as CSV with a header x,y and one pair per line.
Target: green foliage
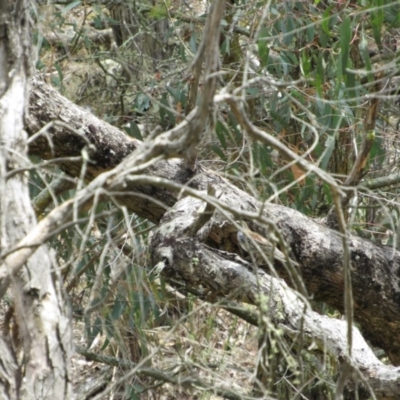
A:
x,y
71,6
142,102
304,73
158,11
133,130
263,50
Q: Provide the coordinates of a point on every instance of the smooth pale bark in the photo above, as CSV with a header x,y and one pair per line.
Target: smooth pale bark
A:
x,y
36,342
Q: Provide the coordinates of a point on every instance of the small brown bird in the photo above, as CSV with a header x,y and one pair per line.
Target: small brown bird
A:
x,y
251,242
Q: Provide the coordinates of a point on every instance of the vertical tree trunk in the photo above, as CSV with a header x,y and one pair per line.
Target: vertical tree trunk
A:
x,y
36,341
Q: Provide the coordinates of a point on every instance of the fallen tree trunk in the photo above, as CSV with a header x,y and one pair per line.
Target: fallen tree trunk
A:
x,y
317,249
181,257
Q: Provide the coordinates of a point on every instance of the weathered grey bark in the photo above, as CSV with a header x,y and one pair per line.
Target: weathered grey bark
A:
x,y
315,247
36,339
186,259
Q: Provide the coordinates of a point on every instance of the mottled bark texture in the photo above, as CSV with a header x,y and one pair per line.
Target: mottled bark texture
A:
x,y
107,147
187,259
35,344
375,269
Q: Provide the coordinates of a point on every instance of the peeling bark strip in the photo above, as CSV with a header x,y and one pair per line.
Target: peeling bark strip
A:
x,y
43,346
